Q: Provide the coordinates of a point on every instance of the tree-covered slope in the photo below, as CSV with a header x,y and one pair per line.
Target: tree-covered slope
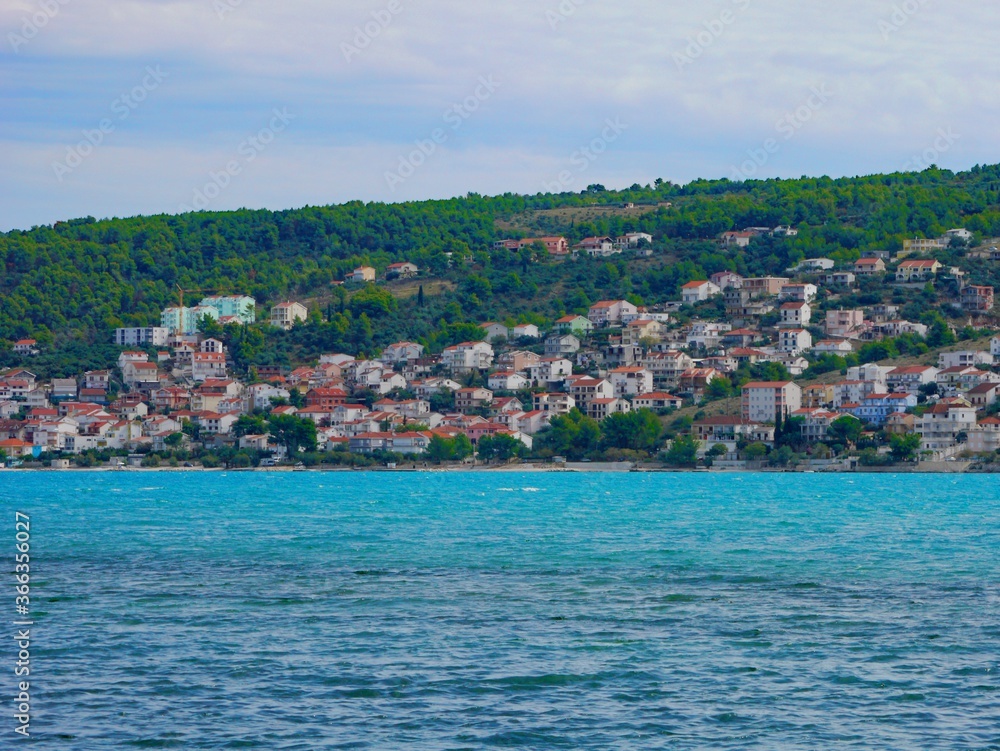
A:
x,y
80,278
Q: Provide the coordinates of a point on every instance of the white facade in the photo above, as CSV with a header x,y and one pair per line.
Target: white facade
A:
x,y
155,336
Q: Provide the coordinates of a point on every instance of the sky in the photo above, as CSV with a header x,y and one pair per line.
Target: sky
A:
x,y
126,107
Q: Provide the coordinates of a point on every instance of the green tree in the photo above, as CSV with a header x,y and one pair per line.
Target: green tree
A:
x,y
440,449
500,447
174,440
293,432
683,452
249,425
639,430
845,430
904,447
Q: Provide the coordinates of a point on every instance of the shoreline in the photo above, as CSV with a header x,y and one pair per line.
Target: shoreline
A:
x,y
953,469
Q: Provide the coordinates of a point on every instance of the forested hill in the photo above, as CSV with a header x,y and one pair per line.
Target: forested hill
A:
x,y
80,278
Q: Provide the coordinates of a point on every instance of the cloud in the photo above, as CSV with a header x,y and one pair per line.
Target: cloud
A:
x,y
698,84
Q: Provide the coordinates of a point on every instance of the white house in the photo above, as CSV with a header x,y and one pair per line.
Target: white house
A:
x,y
468,356
794,341
205,365
285,314
507,380
403,352
698,291
795,314
763,401
609,312
529,330
631,381
798,292
495,330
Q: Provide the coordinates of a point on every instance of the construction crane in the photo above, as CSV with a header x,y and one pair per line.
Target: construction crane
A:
x,y
180,294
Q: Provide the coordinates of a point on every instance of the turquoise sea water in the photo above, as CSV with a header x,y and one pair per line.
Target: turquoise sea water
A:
x,y
531,611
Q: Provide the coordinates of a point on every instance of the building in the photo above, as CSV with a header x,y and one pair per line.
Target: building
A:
x,y
584,390
921,245
737,239
795,314
640,330
205,365
402,270
845,324
794,341
839,279
578,325
556,246
798,292
869,267
977,299
909,379
634,240
631,381
875,409
765,286
240,307
563,345
764,401
285,314
657,400
693,293
184,321
150,336
726,279
468,356
941,425
495,330
602,408
403,352
964,358
556,403
526,330
814,265
910,272
729,431
609,312
598,247
362,274
472,399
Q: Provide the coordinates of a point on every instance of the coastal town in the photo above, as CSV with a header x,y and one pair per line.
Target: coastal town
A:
x,y
739,373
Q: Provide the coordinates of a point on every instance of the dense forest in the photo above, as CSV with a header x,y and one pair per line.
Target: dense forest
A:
x,y
69,284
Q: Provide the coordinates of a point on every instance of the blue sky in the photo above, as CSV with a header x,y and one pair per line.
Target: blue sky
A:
x,y
128,107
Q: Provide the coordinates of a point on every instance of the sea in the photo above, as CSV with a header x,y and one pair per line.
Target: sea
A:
x,y
505,610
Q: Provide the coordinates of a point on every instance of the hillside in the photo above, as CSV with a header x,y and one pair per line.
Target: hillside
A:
x,y
69,284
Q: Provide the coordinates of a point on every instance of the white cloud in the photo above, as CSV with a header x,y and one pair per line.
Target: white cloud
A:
x,y
755,61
